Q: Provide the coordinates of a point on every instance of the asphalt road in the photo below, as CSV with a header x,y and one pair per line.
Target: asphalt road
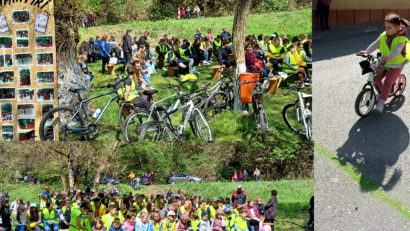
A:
x,y
340,204
378,145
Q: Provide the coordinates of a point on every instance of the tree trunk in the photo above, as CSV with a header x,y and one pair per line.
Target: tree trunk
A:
x,y
71,165
62,174
103,164
86,171
238,46
69,74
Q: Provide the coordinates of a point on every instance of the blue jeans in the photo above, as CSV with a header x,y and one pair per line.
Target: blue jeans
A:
x,y
122,61
265,71
89,77
20,228
206,55
146,77
151,67
35,183
236,180
256,178
25,182
244,178
47,227
137,186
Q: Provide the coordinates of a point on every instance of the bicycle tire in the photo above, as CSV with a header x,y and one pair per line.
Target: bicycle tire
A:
x,y
200,121
290,116
263,123
365,101
309,127
212,108
123,113
402,79
134,123
156,127
197,101
56,121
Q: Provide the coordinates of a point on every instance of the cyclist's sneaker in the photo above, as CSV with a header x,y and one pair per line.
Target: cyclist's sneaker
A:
x,y
209,61
379,108
206,63
164,69
151,88
182,65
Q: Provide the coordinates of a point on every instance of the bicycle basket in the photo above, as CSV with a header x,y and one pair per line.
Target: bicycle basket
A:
x,y
365,65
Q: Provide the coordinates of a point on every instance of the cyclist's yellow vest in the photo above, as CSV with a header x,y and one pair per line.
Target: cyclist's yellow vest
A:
x,y
275,51
195,223
199,213
303,41
13,226
131,95
230,220
182,52
32,223
292,62
49,215
301,61
241,223
121,216
108,220
190,48
75,213
170,53
384,49
164,225
137,207
230,43
43,204
217,44
102,207
162,49
236,212
288,46
54,201
212,212
182,210
88,225
265,46
157,226
202,44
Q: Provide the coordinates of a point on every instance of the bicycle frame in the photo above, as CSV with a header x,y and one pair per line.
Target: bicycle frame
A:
x,y
82,105
191,106
304,111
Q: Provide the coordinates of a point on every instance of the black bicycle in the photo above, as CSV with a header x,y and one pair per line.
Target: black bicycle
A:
x,y
73,123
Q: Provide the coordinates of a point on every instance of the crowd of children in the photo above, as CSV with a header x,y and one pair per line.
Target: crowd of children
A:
x,y
106,212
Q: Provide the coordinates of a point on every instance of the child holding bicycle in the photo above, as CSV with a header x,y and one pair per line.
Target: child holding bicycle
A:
x,y
392,45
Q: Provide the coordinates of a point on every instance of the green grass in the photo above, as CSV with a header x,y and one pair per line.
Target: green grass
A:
x,y
364,183
228,126
293,197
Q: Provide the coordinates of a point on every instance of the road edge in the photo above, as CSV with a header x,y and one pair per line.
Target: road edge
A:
x,y
367,185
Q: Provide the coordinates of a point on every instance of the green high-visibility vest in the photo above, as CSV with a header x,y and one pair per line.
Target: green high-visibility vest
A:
x,y
131,95
275,51
293,63
384,49
217,44
241,222
75,213
108,220
166,63
183,55
87,224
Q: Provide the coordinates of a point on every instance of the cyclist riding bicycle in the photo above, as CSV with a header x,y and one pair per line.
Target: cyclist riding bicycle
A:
x,y
395,49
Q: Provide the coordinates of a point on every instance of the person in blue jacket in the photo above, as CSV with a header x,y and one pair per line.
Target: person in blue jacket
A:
x,y
104,52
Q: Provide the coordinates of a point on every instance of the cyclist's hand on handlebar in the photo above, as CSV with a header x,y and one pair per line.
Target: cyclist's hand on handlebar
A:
x,y
386,58
362,53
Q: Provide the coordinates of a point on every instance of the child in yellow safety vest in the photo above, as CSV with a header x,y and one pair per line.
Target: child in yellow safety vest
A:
x,y
194,219
108,218
240,221
229,217
88,223
395,52
169,223
156,221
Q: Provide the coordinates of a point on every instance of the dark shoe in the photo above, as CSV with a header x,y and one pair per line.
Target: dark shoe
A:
x,y
323,29
327,28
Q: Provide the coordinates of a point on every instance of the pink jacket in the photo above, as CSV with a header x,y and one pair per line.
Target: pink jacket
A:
x,y
255,210
235,176
210,37
128,226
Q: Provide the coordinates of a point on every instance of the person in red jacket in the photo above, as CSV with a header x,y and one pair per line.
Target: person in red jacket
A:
x,y
252,214
239,196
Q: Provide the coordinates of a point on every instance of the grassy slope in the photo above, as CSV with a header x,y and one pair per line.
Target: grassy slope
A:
x,y
229,126
293,197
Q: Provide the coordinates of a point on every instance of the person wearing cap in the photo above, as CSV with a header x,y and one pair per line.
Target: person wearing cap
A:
x,y
49,217
216,44
229,217
46,192
33,218
6,197
19,219
65,214
127,47
239,196
169,223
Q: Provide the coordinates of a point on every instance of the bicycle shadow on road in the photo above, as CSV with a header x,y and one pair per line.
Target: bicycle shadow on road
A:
x,y
374,146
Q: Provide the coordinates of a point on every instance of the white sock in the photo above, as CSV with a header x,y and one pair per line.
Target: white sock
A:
x,y
381,102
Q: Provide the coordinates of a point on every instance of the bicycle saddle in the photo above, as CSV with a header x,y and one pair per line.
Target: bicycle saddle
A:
x,y
77,90
163,108
205,85
149,92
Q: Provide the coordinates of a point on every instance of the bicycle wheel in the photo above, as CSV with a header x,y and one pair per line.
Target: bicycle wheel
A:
x,y
263,123
58,118
202,126
309,127
123,113
156,131
197,101
134,123
400,83
365,102
216,104
292,116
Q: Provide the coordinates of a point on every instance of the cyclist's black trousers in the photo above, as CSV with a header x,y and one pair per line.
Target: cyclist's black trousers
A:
x,y
275,63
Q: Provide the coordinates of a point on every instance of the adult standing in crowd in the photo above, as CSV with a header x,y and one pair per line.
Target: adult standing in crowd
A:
x,y
5,197
183,12
256,174
188,12
271,209
35,180
198,33
225,35
152,176
96,48
25,179
245,174
89,17
143,39
323,9
196,11
239,196
90,48
112,45
80,19
46,192
104,52
127,47
179,13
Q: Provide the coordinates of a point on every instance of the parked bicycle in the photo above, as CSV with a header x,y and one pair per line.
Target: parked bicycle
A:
x,y
366,100
73,123
166,131
297,115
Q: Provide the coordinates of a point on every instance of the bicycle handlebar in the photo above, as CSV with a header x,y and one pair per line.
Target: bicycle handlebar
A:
x,y
115,83
295,86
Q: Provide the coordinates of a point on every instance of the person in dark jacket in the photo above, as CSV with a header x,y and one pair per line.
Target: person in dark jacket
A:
x,y
225,35
127,47
96,48
5,218
223,57
197,52
271,209
119,54
84,49
104,53
89,16
143,39
160,51
90,48
112,45
311,212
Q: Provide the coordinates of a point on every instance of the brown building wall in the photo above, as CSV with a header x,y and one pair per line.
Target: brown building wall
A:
x,y
345,12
